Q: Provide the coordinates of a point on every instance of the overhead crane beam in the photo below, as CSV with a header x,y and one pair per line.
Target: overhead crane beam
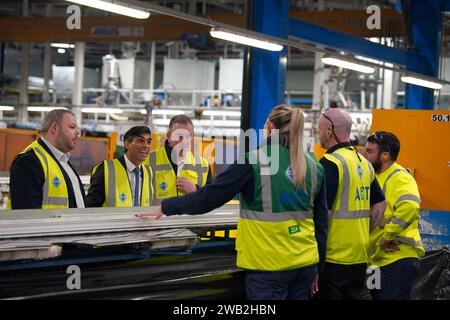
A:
x,y
166,28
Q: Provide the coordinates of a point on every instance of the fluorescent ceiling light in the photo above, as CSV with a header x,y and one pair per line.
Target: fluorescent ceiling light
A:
x,y
62,45
43,109
61,50
6,108
246,40
101,110
167,112
421,82
114,6
347,65
222,113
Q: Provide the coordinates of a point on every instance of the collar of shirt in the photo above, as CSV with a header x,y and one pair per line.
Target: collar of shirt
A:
x,y
338,146
59,155
130,165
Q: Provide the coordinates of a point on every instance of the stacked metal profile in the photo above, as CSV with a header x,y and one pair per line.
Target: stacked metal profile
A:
x,y
39,234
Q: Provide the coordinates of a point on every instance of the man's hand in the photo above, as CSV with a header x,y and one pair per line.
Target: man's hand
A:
x,y
186,185
315,285
157,214
389,245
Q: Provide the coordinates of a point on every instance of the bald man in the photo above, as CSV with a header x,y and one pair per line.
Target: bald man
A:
x,y
352,192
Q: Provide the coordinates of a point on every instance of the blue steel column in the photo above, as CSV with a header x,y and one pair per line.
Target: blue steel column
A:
x,y
426,33
265,71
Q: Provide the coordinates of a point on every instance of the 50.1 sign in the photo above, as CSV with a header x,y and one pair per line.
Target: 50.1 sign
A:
x,y
440,117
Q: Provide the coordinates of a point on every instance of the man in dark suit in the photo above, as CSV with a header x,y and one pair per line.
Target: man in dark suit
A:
x,y
124,182
41,176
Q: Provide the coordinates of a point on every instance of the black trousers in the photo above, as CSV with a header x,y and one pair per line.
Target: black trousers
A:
x,y
342,282
397,280
291,284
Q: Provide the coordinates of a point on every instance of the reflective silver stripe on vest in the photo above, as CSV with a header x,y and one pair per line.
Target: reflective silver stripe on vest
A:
x,y
407,197
345,193
390,176
275,216
111,184
371,171
409,241
152,158
57,201
313,175
161,167
199,169
266,186
150,187
402,223
46,200
344,214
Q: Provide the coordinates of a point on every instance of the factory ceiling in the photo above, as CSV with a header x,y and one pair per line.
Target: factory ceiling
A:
x,y
46,22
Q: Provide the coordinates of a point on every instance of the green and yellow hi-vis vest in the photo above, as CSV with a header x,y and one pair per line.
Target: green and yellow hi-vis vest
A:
x,y
276,231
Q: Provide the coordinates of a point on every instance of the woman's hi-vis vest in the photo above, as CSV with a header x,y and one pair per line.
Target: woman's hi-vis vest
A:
x,y
54,190
349,223
195,168
276,231
117,186
401,218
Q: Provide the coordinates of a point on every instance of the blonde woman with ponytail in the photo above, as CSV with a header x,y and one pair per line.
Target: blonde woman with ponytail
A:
x,y
282,228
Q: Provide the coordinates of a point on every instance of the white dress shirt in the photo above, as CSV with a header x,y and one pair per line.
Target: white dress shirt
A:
x,y
63,159
130,167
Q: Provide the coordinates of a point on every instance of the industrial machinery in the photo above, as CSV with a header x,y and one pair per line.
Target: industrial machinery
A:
x,y
118,254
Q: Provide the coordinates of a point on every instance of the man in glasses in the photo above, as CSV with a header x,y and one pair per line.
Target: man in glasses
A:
x,y
176,169
352,191
395,244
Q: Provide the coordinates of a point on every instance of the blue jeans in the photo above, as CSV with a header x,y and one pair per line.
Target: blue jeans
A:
x,y
397,280
291,284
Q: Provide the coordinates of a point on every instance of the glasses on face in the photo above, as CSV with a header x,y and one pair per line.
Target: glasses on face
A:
x,y
334,134
332,124
328,118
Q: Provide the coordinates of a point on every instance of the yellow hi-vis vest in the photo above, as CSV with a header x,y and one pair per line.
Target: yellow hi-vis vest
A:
x,y
349,223
276,231
195,168
117,185
401,218
54,190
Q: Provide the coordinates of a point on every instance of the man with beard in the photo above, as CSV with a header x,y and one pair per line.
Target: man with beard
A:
x,y
124,182
41,176
395,245
353,197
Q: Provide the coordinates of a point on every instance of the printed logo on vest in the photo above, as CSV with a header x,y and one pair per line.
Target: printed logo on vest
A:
x,y
359,171
294,229
163,185
288,174
56,182
123,197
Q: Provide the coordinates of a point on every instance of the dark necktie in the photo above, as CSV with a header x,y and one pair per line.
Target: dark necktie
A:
x,y
136,187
